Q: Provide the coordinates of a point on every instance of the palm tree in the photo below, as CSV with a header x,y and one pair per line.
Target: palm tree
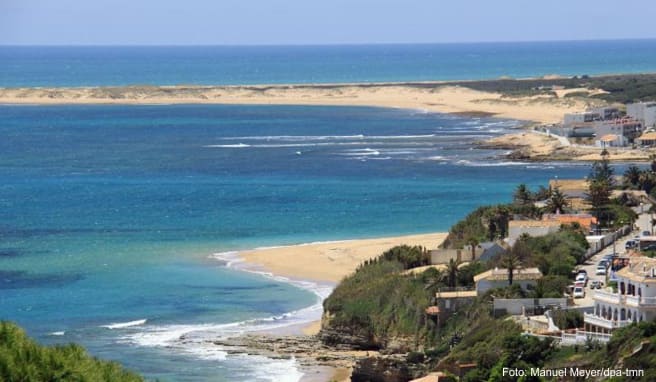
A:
x,y
511,262
452,273
632,176
473,243
557,201
522,195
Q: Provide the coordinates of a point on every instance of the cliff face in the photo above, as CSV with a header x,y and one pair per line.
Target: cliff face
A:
x,y
361,337
347,337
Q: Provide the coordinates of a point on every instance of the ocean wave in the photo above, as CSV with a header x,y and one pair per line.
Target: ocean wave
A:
x,y
466,162
120,325
236,146
302,138
362,152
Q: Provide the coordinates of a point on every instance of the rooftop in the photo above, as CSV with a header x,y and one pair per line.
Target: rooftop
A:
x,y
534,223
501,274
640,269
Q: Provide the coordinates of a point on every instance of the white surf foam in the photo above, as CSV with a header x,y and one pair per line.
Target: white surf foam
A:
x,y
57,333
120,325
236,146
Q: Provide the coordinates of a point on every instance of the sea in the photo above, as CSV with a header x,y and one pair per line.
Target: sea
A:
x,y
120,225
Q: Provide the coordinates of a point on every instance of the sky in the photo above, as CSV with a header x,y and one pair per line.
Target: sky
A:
x,y
281,22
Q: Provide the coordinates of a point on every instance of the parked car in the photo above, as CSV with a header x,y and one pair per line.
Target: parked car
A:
x,y
646,233
601,270
630,244
582,277
579,292
596,284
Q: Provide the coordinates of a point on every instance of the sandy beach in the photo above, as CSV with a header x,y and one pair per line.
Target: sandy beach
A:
x,y
330,261
431,96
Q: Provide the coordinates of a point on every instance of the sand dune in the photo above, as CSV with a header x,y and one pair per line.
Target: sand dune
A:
x,y
438,97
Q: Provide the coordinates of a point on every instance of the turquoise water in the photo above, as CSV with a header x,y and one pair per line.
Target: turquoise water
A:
x,y
79,66
111,216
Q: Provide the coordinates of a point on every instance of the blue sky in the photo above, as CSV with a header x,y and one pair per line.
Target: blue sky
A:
x,y
246,22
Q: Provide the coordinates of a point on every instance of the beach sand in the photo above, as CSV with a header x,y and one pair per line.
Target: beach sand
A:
x,y
330,261
433,96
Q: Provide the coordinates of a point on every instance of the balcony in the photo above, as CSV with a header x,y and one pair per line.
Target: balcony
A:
x,y
607,296
604,323
640,302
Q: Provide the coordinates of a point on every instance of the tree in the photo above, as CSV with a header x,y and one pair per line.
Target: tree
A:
x,y
632,176
511,262
599,197
452,273
601,171
557,201
600,184
647,181
522,196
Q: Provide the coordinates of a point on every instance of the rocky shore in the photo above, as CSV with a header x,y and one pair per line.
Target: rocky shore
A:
x,y
314,357
535,146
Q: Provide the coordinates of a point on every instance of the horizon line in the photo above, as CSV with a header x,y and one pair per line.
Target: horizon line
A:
x,y
331,44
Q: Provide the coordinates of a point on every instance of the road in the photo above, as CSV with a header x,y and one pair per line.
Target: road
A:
x,y
590,266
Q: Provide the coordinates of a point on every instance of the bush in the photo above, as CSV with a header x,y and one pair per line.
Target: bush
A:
x,y
415,357
22,359
567,319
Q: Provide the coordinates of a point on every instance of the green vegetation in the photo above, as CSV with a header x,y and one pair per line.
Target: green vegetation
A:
x,y
22,359
622,88
380,302
568,319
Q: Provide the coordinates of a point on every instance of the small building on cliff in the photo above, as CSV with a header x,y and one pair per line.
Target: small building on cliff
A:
x,y
526,278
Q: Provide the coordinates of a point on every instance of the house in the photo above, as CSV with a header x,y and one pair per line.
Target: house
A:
x,y
526,278
633,301
611,140
627,128
447,301
586,221
644,112
483,252
489,250
648,138
517,228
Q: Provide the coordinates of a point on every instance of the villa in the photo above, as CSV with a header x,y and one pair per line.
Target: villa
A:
x,y
526,278
633,301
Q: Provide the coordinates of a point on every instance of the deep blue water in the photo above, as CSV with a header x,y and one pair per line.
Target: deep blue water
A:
x,y
109,214
79,66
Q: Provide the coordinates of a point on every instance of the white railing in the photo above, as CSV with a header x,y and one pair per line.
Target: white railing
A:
x,y
632,300
606,296
595,320
580,337
648,301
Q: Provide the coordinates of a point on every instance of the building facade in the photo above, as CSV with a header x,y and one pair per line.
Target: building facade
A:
x,y
644,112
633,301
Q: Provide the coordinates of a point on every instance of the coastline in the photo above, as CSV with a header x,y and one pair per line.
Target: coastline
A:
x,y
442,97
329,261
307,265
540,147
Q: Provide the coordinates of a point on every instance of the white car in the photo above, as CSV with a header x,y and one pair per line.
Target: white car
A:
x,y
582,277
579,292
601,270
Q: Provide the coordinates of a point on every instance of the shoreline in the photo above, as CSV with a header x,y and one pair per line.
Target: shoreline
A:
x,y
439,96
538,147
312,266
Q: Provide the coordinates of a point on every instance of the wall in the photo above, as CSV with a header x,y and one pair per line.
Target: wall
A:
x,y
517,305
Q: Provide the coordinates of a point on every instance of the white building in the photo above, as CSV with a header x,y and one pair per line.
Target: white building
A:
x,y
634,301
526,278
644,112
